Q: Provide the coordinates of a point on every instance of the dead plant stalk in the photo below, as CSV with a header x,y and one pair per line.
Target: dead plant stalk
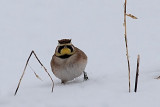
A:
x,y
125,34
34,72
137,74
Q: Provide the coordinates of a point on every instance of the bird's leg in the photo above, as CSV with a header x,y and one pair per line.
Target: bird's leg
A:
x,y
63,81
85,76
158,77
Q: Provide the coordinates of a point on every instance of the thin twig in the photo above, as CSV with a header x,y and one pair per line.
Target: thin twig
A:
x,y
137,74
132,16
125,34
26,67
23,73
45,70
35,73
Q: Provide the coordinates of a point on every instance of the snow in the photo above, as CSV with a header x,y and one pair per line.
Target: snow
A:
x,y
96,27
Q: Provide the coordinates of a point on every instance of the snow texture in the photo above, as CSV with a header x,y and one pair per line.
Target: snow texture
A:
x,y
96,27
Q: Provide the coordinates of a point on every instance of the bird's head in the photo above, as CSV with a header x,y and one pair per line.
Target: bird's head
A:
x,y
65,48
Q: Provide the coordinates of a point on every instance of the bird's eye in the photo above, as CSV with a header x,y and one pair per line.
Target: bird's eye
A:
x,y
70,47
60,48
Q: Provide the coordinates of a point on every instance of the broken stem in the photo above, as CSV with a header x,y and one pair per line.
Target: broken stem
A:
x,y
137,74
125,34
25,70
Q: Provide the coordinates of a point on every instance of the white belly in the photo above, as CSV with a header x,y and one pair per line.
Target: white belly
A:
x,y
69,71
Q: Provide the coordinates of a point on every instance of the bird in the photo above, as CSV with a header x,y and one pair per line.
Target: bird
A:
x,y
68,61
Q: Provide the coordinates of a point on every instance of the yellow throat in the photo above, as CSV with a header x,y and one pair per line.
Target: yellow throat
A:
x,y
66,51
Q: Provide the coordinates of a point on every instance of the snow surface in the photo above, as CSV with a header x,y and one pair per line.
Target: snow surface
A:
x,y
96,27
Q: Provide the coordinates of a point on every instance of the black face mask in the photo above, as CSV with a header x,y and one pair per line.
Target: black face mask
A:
x,y
64,56
68,46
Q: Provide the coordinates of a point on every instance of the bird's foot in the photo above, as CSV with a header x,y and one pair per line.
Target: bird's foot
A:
x,y
85,76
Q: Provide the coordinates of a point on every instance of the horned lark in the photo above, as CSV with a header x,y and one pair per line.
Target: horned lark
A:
x,y
68,62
